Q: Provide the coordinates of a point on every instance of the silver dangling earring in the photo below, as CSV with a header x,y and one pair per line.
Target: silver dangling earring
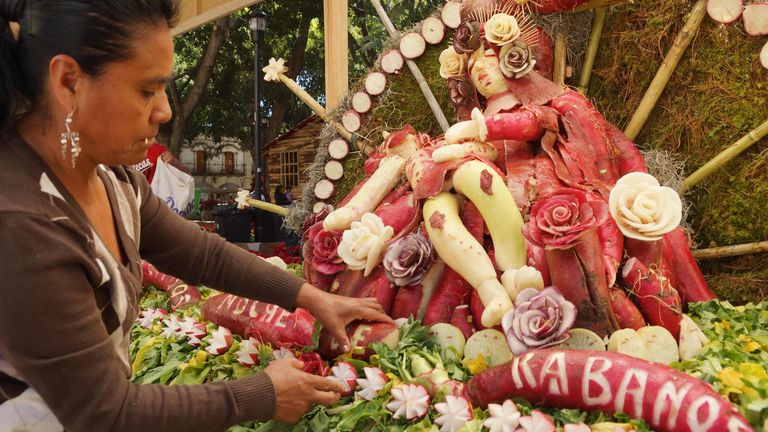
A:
x,y
71,138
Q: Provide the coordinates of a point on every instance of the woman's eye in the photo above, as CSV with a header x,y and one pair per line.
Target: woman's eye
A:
x,y
148,94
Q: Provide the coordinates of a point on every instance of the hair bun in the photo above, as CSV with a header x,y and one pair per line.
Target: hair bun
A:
x,y
11,10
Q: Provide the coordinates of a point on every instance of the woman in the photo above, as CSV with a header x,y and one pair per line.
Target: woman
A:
x,y
82,87
280,198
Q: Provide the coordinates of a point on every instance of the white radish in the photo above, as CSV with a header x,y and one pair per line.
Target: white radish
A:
x,y
692,339
433,30
628,342
248,354
451,14
374,381
583,339
724,11
412,45
220,341
454,413
338,149
489,343
361,102
392,62
375,83
410,401
764,56
334,170
450,339
351,120
324,189
755,18
660,344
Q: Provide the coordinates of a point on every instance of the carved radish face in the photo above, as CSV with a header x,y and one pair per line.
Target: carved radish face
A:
x,y
486,74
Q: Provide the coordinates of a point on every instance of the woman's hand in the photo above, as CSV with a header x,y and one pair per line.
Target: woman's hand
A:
x,y
334,312
297,391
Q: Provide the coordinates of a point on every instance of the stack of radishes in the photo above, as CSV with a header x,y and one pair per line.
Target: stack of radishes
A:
x,y
754,16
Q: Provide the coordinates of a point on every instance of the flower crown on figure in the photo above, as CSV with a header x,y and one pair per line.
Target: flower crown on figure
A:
x,y
503,26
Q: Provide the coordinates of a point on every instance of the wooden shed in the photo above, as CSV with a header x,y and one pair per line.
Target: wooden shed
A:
x,y
290,155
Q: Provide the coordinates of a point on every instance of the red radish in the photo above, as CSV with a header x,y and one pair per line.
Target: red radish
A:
x,y
454,413
220,341
451,14
463,321
392,61
372,164
324,189
520,125
756,19
668,400
265,322
282,354
724,11
689,281
314,364
346,374
413,300
338,149
351,120
473,221
334,170
147,317
504,417
360,335
374,381
248,354
194,329
626,312
412,46
552,6
180,294
375,83
376,285
409,401
452,291
433,30
172,327
361,102
659,302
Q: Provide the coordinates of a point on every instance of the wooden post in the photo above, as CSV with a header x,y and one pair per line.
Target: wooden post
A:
x,y
561,61
725,156
336,52
594,4
661,79
594,43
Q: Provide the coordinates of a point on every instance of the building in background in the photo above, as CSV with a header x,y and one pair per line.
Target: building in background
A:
x,y
220,169
290,155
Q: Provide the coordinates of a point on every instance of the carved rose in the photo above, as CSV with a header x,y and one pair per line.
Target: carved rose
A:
x,y
643,209
362,245
325,258
462,92
408,259
467,37
501,29
540,319
452,63
516,59
558,219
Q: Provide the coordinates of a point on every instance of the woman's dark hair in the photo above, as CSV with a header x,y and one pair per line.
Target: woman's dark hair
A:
x,y
93,32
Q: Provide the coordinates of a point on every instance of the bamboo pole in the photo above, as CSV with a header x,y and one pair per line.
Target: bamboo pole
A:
x,y
314,106
594,43
594,4
561,51
725,156
272,208
336,52
664,73
731,251
420,80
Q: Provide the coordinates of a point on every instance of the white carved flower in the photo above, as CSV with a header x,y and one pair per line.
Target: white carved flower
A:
x,y
277,262
274,69
248,354
501,29
642,208
362,245
503,418
452,63
242,199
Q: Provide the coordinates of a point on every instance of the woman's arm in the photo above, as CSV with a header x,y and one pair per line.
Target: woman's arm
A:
x,y
53,334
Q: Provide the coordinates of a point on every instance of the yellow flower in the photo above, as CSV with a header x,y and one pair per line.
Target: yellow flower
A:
x,y
198,359
476,365
749,344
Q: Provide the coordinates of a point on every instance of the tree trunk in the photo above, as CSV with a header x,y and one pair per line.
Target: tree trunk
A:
x,y
280,107
183,109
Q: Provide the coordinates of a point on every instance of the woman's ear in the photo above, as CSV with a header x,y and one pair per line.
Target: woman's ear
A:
x,y
66,80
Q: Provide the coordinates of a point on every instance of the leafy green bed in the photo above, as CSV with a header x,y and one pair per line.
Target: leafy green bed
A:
x,y
735,363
